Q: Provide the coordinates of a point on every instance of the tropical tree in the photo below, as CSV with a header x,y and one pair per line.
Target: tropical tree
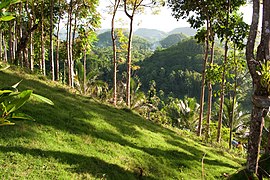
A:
x,y
131,8
259,69
114,37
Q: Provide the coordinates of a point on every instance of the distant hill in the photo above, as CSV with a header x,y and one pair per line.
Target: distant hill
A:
x,y
176,70
185,30
152,35
172,40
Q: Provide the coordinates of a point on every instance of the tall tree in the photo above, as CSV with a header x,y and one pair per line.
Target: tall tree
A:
x,y
224,69
51,39
132,7
204,14
114,37
259,69
43,62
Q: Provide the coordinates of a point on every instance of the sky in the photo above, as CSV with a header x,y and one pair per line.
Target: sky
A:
x,y
162,21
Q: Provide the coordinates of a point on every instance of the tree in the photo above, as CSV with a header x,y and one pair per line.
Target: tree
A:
x,y
259,69
51,39
115,8
132,7
203,15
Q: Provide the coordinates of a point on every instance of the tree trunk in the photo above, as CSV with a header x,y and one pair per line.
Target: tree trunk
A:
x,y
20,55
129,53
71,71
68,53
42,40
261,101
5,49
234,97
199,132
10,52
222,90
31,59
1,45
15,41
51,39
113,36
57,72
84,72
210,95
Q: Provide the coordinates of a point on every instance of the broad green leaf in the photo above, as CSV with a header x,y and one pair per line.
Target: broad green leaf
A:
x,y
22,98
42,98
21,116
6,18
4,122
5,91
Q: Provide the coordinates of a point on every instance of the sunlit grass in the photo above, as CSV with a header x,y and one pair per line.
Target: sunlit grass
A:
x,y
79,138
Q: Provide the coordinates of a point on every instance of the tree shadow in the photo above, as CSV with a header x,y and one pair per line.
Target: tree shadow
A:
x,y
198,154
79,163
72,113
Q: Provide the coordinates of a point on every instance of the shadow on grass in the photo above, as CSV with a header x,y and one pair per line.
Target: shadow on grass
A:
x,y
72,113
198,154
82,164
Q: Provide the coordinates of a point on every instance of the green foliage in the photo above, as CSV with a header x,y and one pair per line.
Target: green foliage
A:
x,y
172,39
264,165
183,113
11,100
174,70
4,5
265,75
243,174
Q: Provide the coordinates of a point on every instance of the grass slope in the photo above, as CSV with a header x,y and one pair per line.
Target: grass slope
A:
x,y
79,138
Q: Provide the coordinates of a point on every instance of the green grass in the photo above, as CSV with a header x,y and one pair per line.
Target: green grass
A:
x,y
79,138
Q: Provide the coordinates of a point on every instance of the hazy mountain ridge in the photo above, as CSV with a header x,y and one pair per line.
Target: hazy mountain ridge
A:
x,y
154,36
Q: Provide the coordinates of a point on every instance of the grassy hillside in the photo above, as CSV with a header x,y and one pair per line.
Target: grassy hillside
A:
x,y
79,138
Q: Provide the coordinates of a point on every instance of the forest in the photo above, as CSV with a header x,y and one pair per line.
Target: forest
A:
x,y
81,102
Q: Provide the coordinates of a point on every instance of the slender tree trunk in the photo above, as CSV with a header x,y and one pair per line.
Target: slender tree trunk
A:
x,y
84,71
199,132
222,89
234,97
222,92
129,52
51,39
57,72
210,95
68,52
31,49
19,55
42,40
10,52
15,42
71,71
5,49
113,36
1,45
260,99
